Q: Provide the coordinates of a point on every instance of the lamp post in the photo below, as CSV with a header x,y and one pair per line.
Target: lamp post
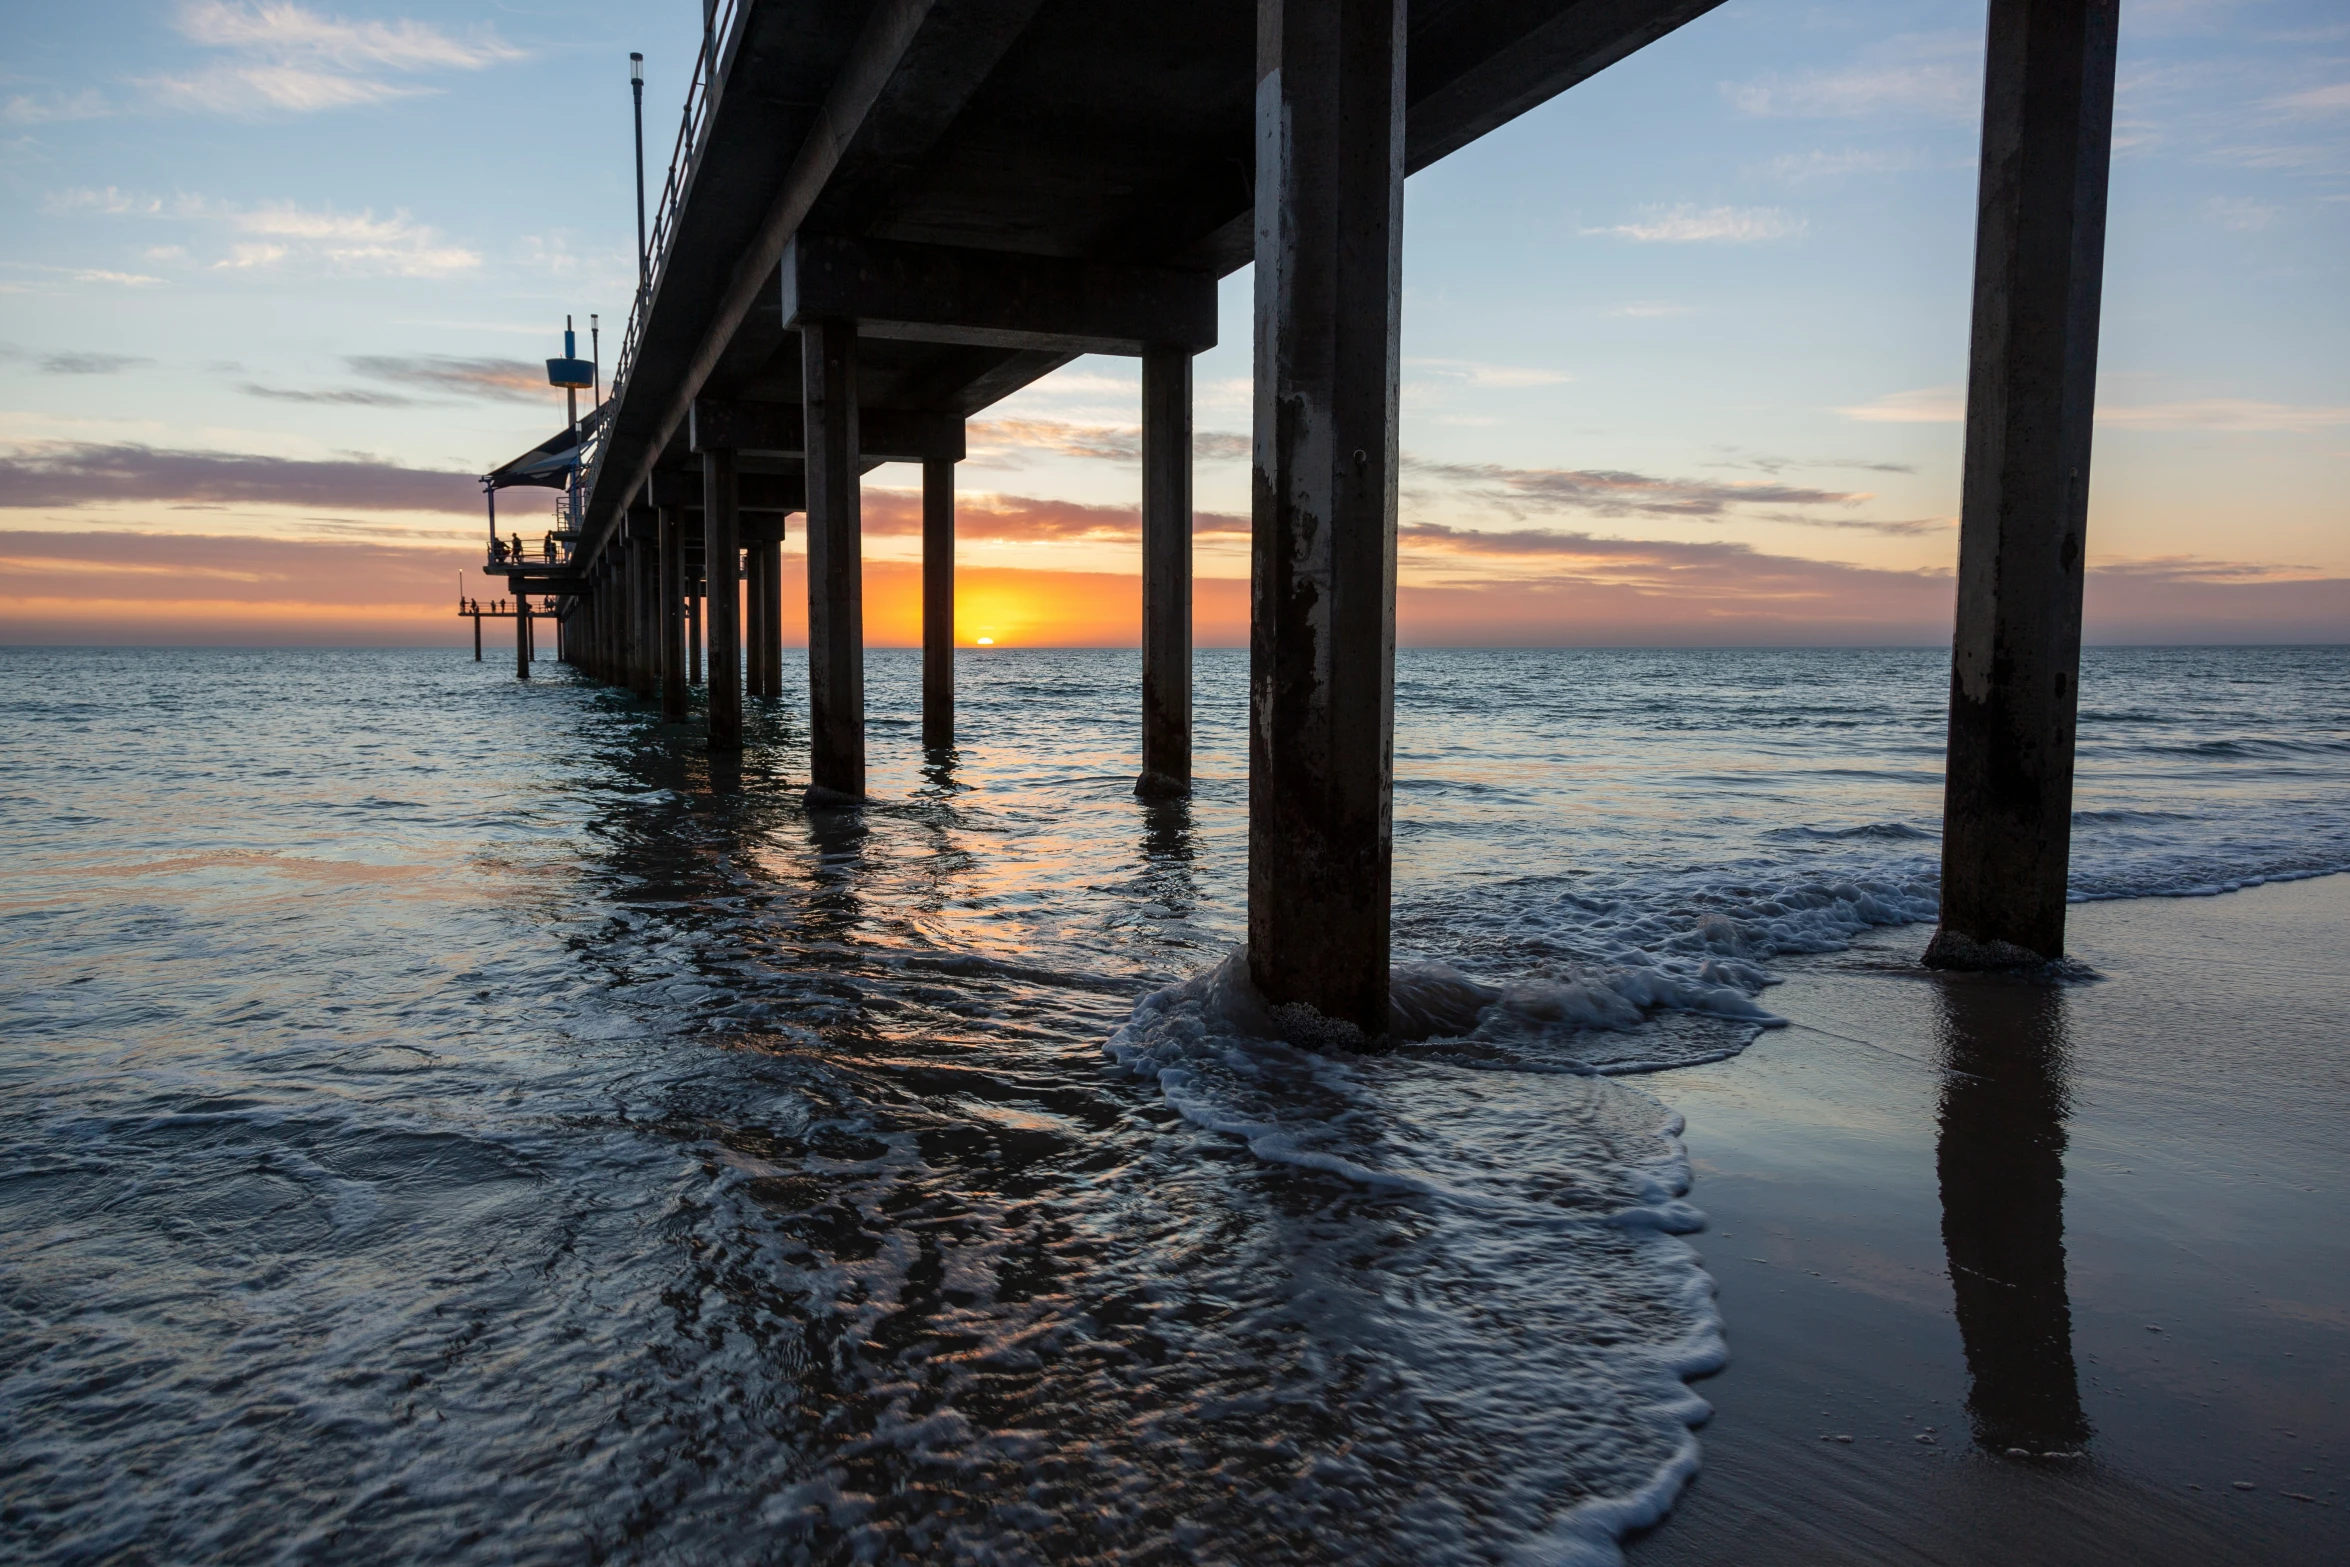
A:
x,y
636,88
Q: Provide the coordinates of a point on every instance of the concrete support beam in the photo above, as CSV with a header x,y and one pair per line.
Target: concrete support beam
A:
x,y
673,706
718,555
836,608
693,638
938,604
2023,513
521,638
1166,571
1329,231
995,298
781,430
753,492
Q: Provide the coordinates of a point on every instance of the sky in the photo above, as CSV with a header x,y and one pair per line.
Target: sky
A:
x,y
1683,348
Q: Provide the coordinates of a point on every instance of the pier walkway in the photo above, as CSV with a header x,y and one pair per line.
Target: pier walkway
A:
x,y
884,216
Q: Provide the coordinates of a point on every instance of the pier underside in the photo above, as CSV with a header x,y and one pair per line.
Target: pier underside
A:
x,y
891,215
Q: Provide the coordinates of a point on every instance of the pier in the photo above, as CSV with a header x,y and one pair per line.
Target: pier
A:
x,y
883,218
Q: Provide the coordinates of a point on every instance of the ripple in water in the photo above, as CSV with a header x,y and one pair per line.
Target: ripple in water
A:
x,y
443,1119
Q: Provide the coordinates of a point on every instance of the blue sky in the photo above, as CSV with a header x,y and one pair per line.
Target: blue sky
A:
x,y
1718,293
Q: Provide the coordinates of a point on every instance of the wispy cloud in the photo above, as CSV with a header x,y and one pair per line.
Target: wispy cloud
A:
x,y
280,233
2241,213
1519,492
35,109
2225,413
1473,372
1688,224
2333,98
512,380
349,396
1939,75
1001,443
1646,309
1947,405
1801,168
346,241
1020,519
290,59
1926,405
91,363
64,474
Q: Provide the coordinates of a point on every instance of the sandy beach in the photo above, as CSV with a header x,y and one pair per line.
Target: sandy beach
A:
x,y
1960,1220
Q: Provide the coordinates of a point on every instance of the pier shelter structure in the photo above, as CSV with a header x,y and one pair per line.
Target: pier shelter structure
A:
x,y
884,216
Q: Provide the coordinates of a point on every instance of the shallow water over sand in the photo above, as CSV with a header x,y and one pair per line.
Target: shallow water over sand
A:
x,y
440,1117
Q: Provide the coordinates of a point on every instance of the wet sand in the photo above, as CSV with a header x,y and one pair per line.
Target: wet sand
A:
x,y
1955,1219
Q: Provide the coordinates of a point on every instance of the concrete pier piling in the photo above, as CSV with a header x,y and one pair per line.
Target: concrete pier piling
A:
x,y
1329,230
720,523
2015,659
938,604
521,637
672,618
1166,571
771,618
643,591
836,616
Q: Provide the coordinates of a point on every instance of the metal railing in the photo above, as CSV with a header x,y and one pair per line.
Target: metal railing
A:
x,y
718,17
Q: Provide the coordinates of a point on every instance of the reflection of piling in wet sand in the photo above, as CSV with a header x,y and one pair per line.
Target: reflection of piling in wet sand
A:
x,y
2000,1158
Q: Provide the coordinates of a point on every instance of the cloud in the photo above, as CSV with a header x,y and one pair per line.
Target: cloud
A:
x,y
60,474
2331,99
354,397
508,379
25,109
1802,168
2241,213
1947,405
1778,465
162,588
1939,75
1926,405
264,236
1020,519
998,443
91,364
290,59
1688,224
1614,493
97,275
357,242
110,200
2225,413
1649,309
1474,373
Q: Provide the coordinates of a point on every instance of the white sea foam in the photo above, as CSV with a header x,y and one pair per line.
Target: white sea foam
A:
x,y
1555,1200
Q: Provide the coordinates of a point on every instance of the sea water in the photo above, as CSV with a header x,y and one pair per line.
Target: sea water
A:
x,y
445,1118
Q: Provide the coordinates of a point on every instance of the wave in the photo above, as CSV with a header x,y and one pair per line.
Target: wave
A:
x,y
1571,1314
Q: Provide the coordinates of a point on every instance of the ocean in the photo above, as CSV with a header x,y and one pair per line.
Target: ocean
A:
x,y
448,1119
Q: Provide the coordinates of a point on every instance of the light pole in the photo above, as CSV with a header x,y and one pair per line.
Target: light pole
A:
x,y
636,88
